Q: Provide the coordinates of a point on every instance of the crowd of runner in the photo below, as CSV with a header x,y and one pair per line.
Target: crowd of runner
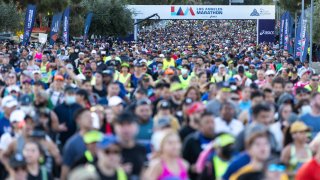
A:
x,y
193,100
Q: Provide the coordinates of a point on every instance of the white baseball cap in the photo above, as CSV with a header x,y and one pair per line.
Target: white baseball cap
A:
x,y
17,116
115,101
269,72
13,88
9,102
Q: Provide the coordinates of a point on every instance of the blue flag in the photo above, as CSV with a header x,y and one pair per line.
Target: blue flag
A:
x,y
87,26
65,28
287,33
266,30
55,25
28,23
291,31
282,29
302,40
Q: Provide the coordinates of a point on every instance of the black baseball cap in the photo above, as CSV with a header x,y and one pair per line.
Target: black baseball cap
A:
x,y
163,122
143,102
17,161
29,57
107,72
187,101
126,117
39,83
138,64
164,104
70,89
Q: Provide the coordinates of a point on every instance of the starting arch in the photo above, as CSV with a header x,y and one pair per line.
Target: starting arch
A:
x,y
264,14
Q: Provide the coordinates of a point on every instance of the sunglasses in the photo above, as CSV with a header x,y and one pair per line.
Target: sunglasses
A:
x,y
112,151
235,99
315,79
23,168
271,75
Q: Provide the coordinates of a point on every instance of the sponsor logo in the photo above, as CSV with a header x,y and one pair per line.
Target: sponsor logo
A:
x,y
254,13
264,12
263,32
180,12
55,27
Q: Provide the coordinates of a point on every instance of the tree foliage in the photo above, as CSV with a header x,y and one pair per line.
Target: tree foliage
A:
x,y
77,15
43,6
193,2
10,18
293,5
110,17
316,22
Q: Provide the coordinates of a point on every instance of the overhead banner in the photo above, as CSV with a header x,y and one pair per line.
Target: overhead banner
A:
x,y
87,26
203,12
65,33
28,23
55,28
266,30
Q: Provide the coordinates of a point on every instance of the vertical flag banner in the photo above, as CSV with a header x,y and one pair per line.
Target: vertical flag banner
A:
x,y
297,39
65,28
282,29
55,28
266,30
291,35
28,23
302,40
87,26
287,34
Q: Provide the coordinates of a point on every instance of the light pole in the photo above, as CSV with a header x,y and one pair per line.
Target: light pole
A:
x,y
301,30
311,32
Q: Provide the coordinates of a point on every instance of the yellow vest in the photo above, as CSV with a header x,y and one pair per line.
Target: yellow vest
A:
x,y
167,64
310,88
121,174
220,166
215,78
44,73
93,81
88,156
184,82
123,79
